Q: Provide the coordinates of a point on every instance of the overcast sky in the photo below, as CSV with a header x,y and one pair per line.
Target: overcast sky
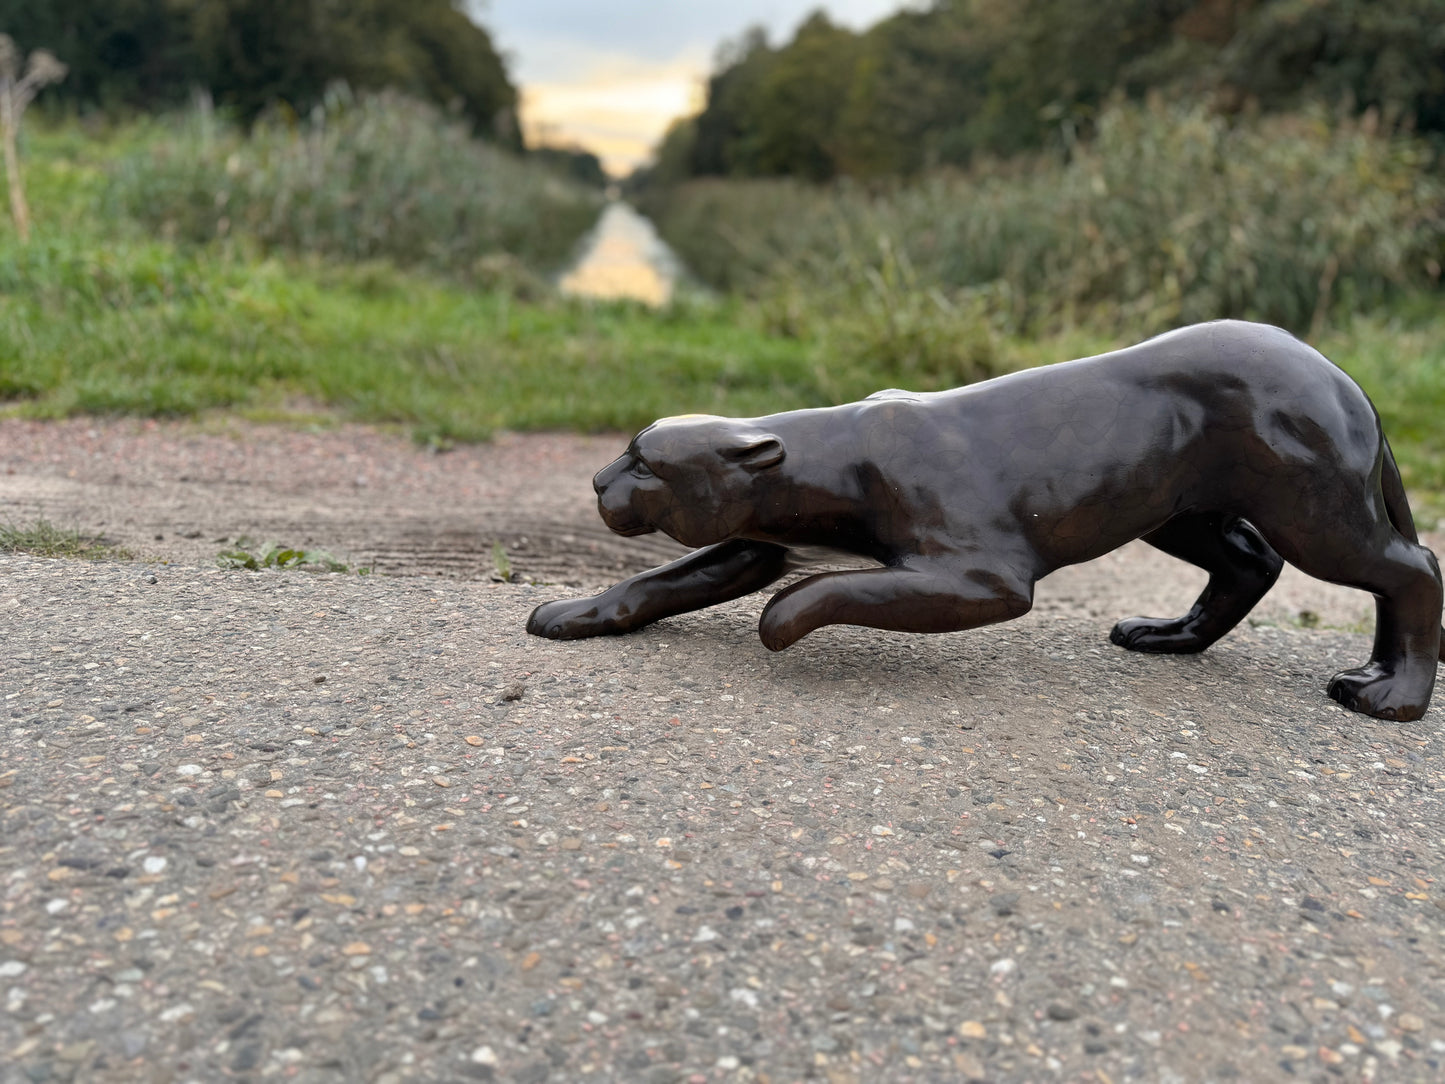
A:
x,y
611,74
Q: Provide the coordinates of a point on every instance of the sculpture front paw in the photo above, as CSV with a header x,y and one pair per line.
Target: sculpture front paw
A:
x,y
779,627
568,619
1158,636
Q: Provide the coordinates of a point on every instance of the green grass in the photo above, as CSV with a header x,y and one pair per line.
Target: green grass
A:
x,y
100,316
147,328
1399,360
248,554
44,539
97,317
154,329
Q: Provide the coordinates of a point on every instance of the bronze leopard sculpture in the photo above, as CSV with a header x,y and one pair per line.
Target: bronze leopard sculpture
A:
x,y
1231,445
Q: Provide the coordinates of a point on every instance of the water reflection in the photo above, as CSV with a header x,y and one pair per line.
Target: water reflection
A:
x,y
623,257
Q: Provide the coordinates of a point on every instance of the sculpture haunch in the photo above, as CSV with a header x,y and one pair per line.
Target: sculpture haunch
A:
x,y
1230,445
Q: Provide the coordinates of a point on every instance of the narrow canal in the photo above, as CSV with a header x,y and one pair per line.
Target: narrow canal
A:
x,y
623,257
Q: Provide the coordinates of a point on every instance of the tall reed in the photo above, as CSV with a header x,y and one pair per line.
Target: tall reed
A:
x,y
1170,215
362,177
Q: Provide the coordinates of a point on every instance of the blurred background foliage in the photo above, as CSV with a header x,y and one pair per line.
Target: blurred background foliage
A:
x,y
1022,167
1169,214
959,79
251,54
242,202
377,176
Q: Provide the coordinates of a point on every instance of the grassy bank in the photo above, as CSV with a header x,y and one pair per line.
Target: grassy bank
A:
x,y
99,315
156,329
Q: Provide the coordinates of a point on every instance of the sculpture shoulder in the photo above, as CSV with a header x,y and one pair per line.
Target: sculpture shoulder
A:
x,y
1224,343
896,393
1202,359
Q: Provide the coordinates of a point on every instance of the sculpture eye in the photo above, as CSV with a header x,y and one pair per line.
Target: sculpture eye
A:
x,y
641,469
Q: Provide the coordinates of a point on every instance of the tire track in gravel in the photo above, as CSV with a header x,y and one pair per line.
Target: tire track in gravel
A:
x,y
173,491
187,524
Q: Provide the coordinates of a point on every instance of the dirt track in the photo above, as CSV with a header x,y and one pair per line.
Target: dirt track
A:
x,y
180,491
183,491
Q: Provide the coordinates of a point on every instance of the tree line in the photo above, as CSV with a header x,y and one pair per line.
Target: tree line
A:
x,y
959,79
250,54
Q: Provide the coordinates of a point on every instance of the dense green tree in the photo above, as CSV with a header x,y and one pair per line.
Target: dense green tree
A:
x,y
920,78
581,165
1060,59
251,53
795,118
673,161
720,129
1381,54
942,84
119,50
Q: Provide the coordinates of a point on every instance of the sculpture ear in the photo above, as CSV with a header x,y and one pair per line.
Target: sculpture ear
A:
x,y
756,453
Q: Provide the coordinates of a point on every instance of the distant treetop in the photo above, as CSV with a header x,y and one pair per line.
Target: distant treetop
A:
x,y
961,78
249,54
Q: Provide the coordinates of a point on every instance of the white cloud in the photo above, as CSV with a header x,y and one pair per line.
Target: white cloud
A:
x,y
619,119
657,30
612,74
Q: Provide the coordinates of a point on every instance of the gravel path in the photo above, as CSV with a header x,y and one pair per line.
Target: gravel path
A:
x,y
339,828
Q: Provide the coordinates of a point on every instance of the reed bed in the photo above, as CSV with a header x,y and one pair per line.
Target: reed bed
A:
x,y
366,177
1169,216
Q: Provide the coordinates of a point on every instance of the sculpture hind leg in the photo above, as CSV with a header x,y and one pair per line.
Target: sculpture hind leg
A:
x,y
1241,565
1397,681
1372,555
921,596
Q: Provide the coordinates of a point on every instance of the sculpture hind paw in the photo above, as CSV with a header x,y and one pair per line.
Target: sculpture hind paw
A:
x,y
1374,690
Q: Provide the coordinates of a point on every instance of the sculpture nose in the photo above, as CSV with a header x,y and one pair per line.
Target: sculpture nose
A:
x,y
603,478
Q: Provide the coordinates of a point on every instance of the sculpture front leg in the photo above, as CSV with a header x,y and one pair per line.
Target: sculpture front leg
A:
x,y
922,597
703,578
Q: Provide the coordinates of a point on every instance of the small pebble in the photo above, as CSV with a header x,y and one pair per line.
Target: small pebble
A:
x,y
1004,904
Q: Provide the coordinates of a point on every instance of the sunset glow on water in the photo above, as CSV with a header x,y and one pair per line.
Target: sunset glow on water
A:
x,y
623,258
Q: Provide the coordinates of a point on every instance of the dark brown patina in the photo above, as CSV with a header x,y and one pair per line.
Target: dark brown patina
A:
x,y
1230,445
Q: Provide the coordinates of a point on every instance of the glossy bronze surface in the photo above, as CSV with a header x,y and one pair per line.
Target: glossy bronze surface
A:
x,y
1230,445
